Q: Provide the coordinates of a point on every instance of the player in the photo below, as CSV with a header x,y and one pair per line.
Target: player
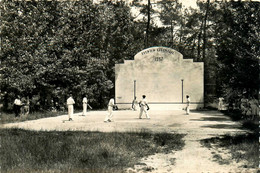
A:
x,y
144,108
109,116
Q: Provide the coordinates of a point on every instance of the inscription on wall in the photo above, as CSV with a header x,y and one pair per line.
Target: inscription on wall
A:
x,y
158,59
158,50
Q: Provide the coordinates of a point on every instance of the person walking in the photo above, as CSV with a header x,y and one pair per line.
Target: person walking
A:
x,y
17,106
144,108
70,103
109,116
85,106
188,105
134,104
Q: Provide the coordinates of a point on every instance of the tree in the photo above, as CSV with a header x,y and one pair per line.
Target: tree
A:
x,y
171,17
238,47
53,48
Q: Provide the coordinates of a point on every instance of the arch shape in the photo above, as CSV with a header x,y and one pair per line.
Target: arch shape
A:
x,y
163,76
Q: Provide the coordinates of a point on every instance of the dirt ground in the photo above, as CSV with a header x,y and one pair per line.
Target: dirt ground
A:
x,y
193,158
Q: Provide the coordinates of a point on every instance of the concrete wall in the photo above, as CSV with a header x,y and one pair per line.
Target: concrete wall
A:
x,y
158,72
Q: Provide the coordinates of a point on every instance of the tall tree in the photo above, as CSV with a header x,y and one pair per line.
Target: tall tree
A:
x,y
148,23
56,47
238,47
171,17
205,30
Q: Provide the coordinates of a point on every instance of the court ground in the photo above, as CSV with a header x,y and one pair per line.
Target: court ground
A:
x,y
193,158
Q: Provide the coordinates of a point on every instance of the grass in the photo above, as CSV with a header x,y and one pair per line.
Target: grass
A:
x,y
250,124
10,117
31,151
242,148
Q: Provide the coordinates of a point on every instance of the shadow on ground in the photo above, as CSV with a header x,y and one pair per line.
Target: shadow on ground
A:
x,y
223,126
242,148
212,119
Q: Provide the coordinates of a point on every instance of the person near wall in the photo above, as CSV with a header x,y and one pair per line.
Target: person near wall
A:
x,y
109,116
244,105
134,104
144,107
254,106
188,105
17,106
220,103
70,103
26,106
85,106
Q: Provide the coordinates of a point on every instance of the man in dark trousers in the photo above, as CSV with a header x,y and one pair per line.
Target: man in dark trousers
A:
x,y
17,106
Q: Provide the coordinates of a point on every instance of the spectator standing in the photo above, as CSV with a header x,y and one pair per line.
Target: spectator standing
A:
x,y
244,105
70,103
85,106
17,106
220,103
26,107
254,105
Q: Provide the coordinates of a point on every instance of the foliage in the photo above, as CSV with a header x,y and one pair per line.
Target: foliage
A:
x,y
238,47
10,118
242,148
31,151
52,48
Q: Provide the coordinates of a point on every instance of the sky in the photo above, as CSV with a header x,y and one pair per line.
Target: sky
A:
x,y
189,3
185,3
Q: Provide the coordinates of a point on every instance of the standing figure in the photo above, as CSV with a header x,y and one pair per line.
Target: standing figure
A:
x,y
109,116
134,104
188,105
70,103
26,107
85,105
17,106
144,108
220,103
254,105
244,105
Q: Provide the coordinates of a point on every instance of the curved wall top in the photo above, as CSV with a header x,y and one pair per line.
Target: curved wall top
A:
x,y
162,75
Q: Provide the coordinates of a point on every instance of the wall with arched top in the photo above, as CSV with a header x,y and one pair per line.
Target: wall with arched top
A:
x,y
163,76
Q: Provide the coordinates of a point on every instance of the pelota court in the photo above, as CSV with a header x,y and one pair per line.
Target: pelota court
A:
x,y
193,158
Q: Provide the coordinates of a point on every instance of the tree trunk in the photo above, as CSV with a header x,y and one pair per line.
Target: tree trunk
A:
x,y
148,24
199,39
171,42
204,32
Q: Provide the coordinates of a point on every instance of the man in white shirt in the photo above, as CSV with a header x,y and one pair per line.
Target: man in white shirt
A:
x,y
144,107
134,104
220,103
17,106
85,105
188,105
110,106
70,103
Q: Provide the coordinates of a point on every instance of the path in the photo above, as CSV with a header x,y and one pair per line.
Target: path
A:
x,y
193,158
